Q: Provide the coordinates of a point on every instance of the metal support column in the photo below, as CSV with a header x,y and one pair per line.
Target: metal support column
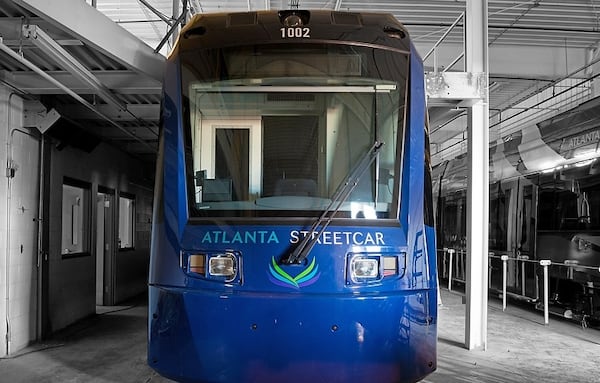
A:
x,y
476,60
175,17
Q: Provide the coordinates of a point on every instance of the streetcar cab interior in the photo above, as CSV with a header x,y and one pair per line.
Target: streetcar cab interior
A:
x,y
283,136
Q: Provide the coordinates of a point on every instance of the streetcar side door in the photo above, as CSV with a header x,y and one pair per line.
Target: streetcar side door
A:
x,y
521,229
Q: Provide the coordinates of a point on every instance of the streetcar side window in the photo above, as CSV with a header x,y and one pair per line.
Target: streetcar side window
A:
x,y
569,199
75,218
126,221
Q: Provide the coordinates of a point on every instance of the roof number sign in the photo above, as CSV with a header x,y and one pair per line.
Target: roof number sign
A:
x,y
295,32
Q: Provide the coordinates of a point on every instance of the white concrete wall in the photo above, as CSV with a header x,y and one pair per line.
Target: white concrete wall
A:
x,y
19,197
71,282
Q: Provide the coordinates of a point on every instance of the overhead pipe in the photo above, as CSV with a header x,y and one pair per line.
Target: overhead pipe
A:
x,y
7,242
172,30
157,12
42,256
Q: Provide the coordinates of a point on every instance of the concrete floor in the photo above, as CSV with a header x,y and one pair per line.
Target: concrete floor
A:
x,y
520,347
111,347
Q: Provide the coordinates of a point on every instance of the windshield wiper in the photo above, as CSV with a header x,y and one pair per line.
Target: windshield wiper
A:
x,y
304,247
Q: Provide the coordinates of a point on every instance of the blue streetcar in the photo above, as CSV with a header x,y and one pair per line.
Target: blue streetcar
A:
x,y
293,234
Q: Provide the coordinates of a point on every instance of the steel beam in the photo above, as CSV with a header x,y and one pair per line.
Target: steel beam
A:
x,y
455,86
121,82
77,97
145,112
526,61
65,60
96,30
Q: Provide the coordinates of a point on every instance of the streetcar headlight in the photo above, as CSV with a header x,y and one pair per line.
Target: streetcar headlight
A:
x,y
365,268
222,265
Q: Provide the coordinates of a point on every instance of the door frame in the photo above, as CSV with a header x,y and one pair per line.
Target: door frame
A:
x,y
104,249
208,129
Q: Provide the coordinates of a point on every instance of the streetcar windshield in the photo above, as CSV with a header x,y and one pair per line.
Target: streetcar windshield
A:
x,y
276,132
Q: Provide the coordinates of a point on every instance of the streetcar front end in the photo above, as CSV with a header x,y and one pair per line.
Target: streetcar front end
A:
x,y
292,234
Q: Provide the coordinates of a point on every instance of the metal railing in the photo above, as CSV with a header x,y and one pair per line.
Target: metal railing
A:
x,y
454,264
457,273
435,47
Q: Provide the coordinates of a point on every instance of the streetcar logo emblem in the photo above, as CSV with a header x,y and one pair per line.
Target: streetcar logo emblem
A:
x,y
306,277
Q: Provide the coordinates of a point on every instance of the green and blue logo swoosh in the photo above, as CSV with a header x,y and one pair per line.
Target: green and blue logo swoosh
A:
x,y
306,277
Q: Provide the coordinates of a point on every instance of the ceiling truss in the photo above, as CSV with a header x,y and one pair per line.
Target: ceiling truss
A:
x,y
99,62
